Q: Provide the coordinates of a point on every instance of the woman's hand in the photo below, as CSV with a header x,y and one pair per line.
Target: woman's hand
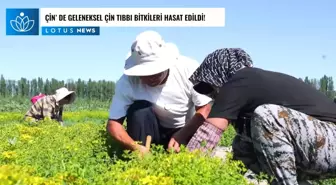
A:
x,y
183,135
177,139
209,134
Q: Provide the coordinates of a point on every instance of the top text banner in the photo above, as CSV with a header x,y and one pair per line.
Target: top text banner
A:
x,y
133,17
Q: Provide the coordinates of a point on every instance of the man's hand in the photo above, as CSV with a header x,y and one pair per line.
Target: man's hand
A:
x,y
143,150
117,131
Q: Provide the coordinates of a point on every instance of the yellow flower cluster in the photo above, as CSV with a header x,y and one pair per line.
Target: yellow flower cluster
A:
x,y
9,154
17,175
83,153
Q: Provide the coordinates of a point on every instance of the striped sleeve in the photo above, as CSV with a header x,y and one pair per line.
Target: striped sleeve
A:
x,y
47,108
35,110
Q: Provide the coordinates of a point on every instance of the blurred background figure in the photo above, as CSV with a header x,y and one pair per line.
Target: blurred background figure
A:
x,y
50,106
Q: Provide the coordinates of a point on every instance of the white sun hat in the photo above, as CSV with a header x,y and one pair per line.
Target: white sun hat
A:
x,y
150,55
174,51
129,61
64,92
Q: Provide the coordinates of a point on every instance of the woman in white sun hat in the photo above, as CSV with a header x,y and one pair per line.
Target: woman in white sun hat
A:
x,y
155,96
51,106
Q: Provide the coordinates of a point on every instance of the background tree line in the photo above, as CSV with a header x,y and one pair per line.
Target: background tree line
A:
x,y
324,84
103,90
93,90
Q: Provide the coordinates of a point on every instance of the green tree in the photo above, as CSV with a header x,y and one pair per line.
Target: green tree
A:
x,y
314,83
307,81
40,85
324,84
10,87
33,87
3,88
330,89
93,90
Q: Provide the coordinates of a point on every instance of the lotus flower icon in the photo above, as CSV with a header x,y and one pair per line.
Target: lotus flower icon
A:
x,y
22,23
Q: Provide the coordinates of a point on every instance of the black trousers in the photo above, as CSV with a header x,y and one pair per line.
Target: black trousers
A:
x,y
142,121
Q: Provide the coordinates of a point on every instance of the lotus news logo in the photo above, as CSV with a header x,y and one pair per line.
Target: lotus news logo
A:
x,y
22,21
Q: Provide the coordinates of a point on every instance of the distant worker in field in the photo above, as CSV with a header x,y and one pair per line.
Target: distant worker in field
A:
x,y
155,96
285,127
50,106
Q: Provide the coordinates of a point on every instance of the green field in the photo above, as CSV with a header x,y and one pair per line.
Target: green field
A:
x,y
83,153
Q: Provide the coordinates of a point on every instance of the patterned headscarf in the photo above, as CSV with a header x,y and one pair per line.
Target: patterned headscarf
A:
x,y
219,66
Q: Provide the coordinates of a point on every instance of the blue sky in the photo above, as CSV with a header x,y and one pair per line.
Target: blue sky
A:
x,y
285,36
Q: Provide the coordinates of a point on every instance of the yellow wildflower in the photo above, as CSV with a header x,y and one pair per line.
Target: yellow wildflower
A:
x,y
26,137
9,154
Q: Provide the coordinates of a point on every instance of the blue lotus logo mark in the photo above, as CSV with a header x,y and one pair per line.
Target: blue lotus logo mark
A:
x,y
22,23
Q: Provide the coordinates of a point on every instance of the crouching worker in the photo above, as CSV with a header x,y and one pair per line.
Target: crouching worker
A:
x,y
156,97
285,128
51,106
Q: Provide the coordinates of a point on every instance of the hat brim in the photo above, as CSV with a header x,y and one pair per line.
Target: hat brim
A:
x,y
149,68
72,99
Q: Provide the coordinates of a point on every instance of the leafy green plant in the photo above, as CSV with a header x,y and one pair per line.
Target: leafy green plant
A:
x,y
227,136
80,154
83,153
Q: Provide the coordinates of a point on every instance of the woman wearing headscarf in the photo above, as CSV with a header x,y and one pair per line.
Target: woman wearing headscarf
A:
x,y
285,128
